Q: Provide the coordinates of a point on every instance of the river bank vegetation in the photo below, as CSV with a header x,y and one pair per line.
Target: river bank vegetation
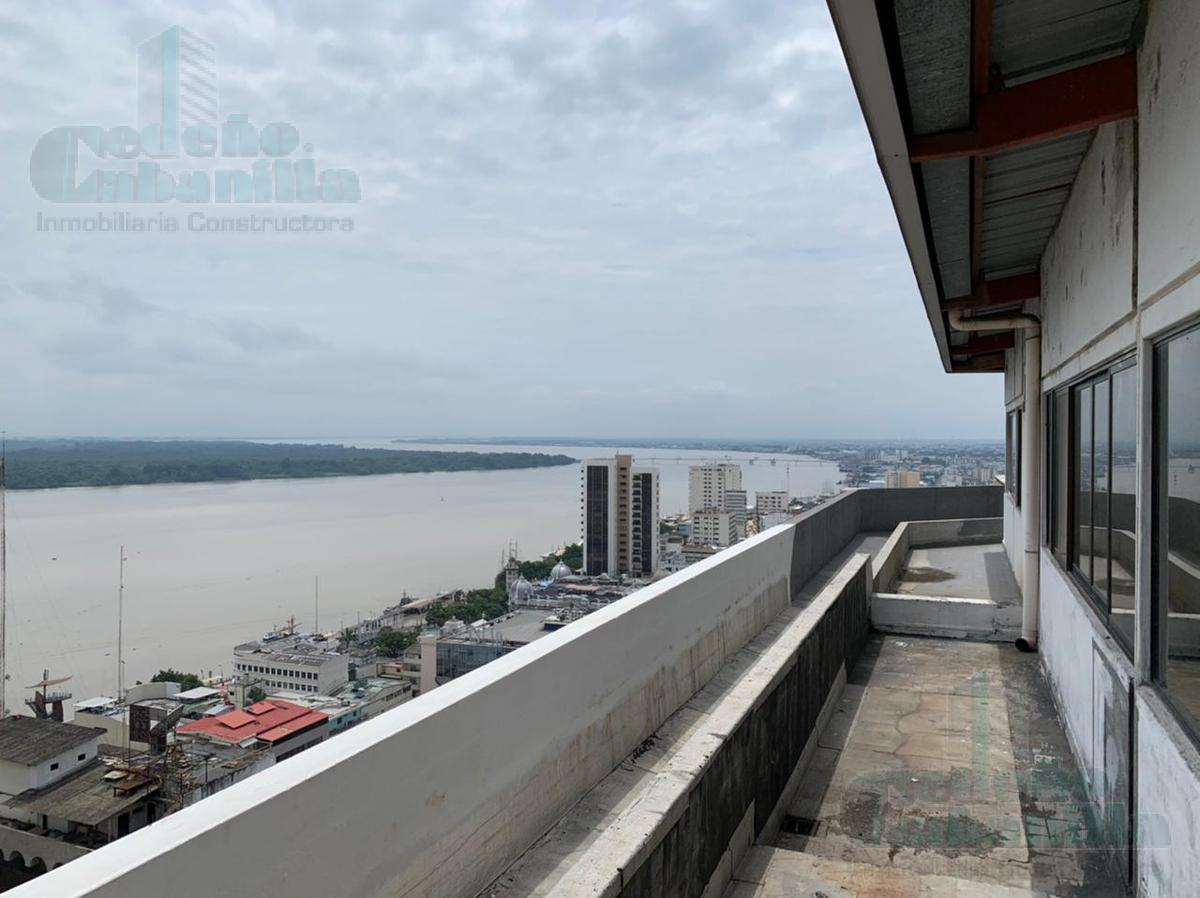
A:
x,y
46,464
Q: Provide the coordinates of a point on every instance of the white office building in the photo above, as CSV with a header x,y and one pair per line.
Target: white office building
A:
x,y
291,665
771,501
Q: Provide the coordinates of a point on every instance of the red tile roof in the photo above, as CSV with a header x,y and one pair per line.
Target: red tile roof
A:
x,y
271,720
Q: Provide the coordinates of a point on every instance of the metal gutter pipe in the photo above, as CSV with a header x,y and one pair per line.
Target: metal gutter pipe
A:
x,y
1032,468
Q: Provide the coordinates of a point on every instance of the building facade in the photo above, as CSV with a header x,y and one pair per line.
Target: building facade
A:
x,y
1047,188
707,484
902,478
713,528
771,501
291,665
619,517
717,504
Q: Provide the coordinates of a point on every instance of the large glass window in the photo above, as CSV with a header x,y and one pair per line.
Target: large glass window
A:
x,y
1102,546
1177,515
1059,481
1012,457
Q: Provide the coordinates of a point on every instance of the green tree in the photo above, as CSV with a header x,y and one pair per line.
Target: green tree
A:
x,y
392,643
186,681
254,694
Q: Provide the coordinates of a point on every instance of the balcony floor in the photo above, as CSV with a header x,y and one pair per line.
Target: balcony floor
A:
x,y
944,770
968,572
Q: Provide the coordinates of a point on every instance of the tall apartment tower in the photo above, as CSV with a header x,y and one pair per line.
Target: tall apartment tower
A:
x,y
718,488
619,517
707,485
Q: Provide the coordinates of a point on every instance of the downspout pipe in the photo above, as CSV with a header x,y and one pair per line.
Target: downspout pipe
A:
x,y
1031,470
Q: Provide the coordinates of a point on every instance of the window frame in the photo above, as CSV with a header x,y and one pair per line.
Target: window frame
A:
x,y
1013,423
1159,628
1070,442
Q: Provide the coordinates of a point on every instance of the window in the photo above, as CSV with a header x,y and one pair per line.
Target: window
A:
x,y
83,757
54,766
1175,590
1103,478
1012,457
1058,421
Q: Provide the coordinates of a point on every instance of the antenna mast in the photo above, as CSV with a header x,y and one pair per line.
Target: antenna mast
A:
x,y
120,626
317,605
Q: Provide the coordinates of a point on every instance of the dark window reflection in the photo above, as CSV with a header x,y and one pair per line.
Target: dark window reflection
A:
x,y
1179,480
1082,550
1062,468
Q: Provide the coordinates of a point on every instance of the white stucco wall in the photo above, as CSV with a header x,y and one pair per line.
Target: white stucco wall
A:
x,y
1087,268
1168,803
1137,199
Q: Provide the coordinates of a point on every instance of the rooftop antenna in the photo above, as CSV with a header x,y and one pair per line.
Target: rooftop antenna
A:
x,y
120,624
3,576
317,605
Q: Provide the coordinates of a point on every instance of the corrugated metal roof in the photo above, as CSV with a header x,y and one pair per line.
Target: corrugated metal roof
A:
x,y
1023,197
1024,190
1035,38
935,42
31,740
948,198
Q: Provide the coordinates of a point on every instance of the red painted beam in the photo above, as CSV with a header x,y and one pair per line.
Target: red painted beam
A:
x,y
985,344
1073,101
981,363
982,28
999,292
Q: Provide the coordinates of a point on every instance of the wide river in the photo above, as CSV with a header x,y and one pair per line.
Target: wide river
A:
x,y
211,565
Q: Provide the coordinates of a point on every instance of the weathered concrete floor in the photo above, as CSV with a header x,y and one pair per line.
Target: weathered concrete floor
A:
x,y
962,572
944,771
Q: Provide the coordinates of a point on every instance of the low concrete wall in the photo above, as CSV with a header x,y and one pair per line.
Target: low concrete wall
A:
x,y
439,795
32,847
953,618
915,534
881,510
754,764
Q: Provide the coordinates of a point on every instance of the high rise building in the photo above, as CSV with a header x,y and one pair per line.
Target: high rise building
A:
x,y
902,478
619,517
707,484
735,507
771,501
717,488
712,527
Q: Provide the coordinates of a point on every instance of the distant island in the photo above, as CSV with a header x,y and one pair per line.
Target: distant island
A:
x,y
47,464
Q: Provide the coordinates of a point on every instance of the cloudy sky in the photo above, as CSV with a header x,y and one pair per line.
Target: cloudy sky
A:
x,y
652,218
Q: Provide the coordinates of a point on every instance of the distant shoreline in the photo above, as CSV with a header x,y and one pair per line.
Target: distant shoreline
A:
x,y
60,464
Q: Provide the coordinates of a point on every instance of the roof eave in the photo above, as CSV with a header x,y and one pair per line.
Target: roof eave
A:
x,y
861,37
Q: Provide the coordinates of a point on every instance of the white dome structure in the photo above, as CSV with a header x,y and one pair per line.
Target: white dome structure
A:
x,y
559,571
522,591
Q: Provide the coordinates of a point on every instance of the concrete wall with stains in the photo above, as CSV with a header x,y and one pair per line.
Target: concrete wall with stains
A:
x,y
1087,268
1122,267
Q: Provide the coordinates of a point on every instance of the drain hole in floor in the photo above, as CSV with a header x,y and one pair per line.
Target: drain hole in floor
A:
x,y
800,826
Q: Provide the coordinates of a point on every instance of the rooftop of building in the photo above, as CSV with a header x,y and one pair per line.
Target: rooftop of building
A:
x,y
515,628
31,740
288,652
90,795
270,720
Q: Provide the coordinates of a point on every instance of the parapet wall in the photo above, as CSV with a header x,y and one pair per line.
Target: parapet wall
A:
x,y
439,795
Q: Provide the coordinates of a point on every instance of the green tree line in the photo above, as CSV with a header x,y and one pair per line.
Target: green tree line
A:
x,y
61,463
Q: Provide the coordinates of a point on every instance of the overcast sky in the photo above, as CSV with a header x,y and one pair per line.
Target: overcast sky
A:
x,y
578,218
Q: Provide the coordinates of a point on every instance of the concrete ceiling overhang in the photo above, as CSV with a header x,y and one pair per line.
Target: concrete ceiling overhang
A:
x,y
981,112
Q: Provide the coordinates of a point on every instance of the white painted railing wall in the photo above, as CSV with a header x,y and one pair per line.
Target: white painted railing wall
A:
x,y
437,796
